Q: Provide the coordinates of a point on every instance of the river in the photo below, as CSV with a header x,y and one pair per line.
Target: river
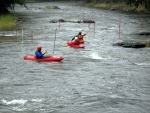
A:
x,y
101,78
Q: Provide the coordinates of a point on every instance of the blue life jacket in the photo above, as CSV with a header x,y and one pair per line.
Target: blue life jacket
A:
x,y
39,54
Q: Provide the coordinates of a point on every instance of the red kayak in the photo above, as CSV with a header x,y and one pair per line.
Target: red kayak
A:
x,y
75,46
46,59
81,41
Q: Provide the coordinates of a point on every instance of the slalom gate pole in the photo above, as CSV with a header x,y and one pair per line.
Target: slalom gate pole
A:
x,y
59,24
119,29
94,28
54,41
22,39
31,35
16,35
89,24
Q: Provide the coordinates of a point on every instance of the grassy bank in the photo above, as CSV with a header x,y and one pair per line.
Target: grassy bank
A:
x,y
117,6
7,21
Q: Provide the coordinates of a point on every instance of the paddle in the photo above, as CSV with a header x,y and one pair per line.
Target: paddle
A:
x,y
46,52
65,45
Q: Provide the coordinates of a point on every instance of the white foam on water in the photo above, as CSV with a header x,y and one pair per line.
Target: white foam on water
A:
x,y
13,102
96,56
143,64
37,100
19,104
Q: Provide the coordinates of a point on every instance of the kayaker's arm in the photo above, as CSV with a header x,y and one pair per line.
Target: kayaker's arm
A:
x,y
83,34
39,54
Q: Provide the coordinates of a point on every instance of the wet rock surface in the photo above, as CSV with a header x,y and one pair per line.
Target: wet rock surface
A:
x,y
143,33
71,21
131,44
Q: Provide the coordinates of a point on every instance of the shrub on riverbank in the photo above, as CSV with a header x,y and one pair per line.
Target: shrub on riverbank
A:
x,y
7,21
117,6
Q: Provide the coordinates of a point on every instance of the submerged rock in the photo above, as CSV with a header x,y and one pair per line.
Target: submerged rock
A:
x,y
61,20
53,21
86,21
55,7
144,33
79,21
130,44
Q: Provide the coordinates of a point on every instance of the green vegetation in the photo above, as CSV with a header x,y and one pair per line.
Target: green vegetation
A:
x,y
105,5
5,5
7,21
48,6
148,44
119,6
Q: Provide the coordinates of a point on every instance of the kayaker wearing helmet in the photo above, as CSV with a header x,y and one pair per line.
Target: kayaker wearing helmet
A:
x,y
80,36
78,39
39,53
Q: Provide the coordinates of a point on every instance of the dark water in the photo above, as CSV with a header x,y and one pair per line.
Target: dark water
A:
x,y
101,78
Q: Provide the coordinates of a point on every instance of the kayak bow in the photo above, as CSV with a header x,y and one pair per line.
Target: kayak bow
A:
x,y
75,46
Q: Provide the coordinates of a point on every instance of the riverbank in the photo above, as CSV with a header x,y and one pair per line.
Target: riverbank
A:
x,y
117,6
8,21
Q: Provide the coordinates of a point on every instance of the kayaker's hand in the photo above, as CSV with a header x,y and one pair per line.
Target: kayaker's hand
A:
x,y
46,52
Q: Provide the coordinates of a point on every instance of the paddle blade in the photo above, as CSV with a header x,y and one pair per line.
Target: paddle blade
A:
x,y
46,52
65,45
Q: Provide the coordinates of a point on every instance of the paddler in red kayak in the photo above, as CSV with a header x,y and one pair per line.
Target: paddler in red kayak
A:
x,y
39,53
80,36
78,39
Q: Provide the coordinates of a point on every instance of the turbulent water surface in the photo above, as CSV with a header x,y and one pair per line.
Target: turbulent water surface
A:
x,y
101,78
